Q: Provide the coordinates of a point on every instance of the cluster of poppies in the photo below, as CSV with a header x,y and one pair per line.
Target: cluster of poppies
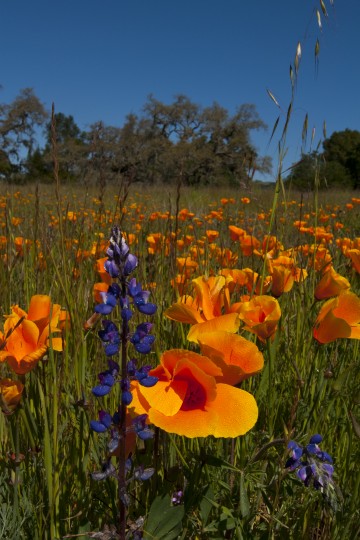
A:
x,y
196,394
25,341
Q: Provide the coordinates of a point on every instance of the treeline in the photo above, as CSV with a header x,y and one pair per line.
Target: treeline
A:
x,y
166,142
338,166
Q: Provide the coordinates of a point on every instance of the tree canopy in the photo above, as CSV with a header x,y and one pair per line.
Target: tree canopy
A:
x,y
163,143
338,166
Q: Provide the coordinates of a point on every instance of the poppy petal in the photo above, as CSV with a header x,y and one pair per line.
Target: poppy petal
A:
x,y
183,313
232,413
39,307
236,352
167,397
228,323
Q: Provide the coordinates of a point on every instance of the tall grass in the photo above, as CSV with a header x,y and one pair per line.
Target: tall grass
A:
x,y
233,489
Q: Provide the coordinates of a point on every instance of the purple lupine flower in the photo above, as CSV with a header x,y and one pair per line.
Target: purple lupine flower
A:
x,y
126,293
141,298
103,424
130,264
107,379
176,497
141,339
313,466
142,374
126,395
143,474
110,337
126,312
141,429
107,469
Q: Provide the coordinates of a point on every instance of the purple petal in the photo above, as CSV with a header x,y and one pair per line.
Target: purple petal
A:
x,y
324,456
316,439
134,288
113,444
126,314
130,264
329,469
101,390
146,474
145,434
149,381
113,366
142,348
103,309
111,349
126,397
107,379
112,268
105,418
312,448
303,473
115,290
99,427
144,327
147,309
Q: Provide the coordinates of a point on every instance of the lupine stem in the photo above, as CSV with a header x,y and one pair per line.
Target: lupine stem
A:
x,y
122,413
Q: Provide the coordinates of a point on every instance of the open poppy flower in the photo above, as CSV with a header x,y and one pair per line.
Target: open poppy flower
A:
x,y
338,318
237,357
331,284
188,401
284,273
260,315
249,245
10,394
26,336
204,311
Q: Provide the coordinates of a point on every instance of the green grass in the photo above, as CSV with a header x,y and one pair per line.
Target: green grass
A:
x,y
232,488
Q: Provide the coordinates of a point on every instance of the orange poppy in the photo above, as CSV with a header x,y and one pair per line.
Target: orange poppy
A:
x,y
354,255
237,357
204,311
284,273
10,394
254,282
249,245
331,284
236,232
260,315
188,401
339,317
26,336
211,235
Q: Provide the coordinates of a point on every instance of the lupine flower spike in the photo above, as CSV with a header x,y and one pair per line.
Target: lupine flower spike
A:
x,y
313,467
123,296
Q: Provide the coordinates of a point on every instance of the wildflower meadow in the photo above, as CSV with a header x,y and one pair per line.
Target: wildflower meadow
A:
x,y
178,364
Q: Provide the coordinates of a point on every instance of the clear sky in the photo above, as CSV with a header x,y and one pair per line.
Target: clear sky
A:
x,y
100,59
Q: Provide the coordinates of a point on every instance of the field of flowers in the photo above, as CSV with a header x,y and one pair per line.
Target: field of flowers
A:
x,y
179,365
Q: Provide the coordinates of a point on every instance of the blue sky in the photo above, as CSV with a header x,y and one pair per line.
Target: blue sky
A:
x,y
99,60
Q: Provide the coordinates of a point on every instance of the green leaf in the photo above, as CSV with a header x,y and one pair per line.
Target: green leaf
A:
x,y
164,521
355,424
244,500
206,505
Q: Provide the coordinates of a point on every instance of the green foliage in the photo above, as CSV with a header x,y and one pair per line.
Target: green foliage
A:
x,y
164,521
168,143
18,124
337,166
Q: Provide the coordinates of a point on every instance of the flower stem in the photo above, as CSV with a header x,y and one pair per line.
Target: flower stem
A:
x,y
122,428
